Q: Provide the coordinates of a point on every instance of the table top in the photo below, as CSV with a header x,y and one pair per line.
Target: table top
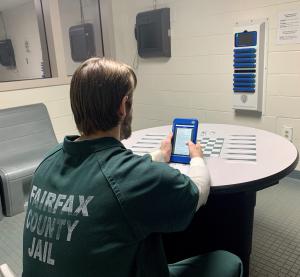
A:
x,y
238,158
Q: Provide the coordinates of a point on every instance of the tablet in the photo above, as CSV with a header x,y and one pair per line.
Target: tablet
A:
x,y
184,129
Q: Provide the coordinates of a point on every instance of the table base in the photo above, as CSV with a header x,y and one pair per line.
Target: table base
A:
x,y
224,223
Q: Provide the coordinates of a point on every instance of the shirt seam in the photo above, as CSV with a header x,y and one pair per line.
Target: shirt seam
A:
x,y
112,183
49,156
196,189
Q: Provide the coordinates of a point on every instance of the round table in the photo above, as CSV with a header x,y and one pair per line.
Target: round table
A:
x,y
241,161
250,159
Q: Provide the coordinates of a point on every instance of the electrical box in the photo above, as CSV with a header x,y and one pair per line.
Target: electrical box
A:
x,y
152,32
82,42
249,64
7,54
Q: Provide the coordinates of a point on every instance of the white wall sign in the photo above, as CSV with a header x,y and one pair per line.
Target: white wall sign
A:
x,y
288,27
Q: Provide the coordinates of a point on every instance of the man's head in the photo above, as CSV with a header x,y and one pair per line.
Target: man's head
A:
x,y
99,90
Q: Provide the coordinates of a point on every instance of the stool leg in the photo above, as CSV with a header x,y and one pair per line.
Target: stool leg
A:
x,y
13,193
1,211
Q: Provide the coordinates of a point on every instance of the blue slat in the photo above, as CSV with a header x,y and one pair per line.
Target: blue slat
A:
x,y
245,50
244,65
244,75
244,60
245,55
244,80
243,89
236,85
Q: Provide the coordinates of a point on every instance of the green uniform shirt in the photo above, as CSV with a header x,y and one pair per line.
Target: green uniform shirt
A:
x,y
96,209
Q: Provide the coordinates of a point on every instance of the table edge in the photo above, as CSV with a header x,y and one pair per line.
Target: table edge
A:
x,y
256,185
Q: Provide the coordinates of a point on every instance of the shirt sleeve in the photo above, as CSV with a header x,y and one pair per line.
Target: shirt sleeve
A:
x,y
199,174
157,156
154,196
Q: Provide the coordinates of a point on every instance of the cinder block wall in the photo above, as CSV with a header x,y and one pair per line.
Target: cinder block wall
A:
x,y
197,80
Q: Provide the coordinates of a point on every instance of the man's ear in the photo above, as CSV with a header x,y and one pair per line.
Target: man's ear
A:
x,y
122,108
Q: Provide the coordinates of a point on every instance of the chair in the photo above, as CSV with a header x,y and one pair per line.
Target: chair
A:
x,y
5,271
26,134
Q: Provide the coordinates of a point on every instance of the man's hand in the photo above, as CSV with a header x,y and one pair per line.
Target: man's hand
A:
x,y
166,148
195,150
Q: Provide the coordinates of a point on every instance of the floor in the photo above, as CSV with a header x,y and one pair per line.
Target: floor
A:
x,y
276,237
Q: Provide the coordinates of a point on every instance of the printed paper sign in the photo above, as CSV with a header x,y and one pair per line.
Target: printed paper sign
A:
x,y
288,27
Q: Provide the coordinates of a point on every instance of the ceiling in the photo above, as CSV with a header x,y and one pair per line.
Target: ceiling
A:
x,y
7,4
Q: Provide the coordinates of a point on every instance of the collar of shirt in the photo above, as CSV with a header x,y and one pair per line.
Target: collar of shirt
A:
x,y
89,146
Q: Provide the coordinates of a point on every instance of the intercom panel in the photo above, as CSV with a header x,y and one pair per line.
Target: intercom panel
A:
x,y
249,65
82,42
152,33
7,55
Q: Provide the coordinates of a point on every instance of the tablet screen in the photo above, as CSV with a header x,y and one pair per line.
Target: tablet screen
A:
x,y
182,136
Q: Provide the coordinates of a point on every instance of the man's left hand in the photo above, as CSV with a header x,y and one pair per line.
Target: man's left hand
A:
x,y
166,148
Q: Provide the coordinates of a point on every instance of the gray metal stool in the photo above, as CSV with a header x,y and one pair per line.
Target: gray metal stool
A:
x,y
26,134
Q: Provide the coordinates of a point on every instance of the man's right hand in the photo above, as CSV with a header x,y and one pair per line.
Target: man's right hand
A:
x,y
195,150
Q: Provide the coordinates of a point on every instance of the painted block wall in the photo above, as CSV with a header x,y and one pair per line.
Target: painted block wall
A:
x,y
197,80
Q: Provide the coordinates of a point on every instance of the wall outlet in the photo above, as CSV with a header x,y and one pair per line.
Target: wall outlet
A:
x,y
287,132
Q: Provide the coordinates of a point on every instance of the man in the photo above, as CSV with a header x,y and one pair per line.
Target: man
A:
x,y
96,209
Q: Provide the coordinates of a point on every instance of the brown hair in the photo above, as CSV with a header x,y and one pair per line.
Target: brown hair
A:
x,y
97,89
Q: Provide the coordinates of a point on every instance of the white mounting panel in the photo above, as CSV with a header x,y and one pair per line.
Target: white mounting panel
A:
x,y
249,69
